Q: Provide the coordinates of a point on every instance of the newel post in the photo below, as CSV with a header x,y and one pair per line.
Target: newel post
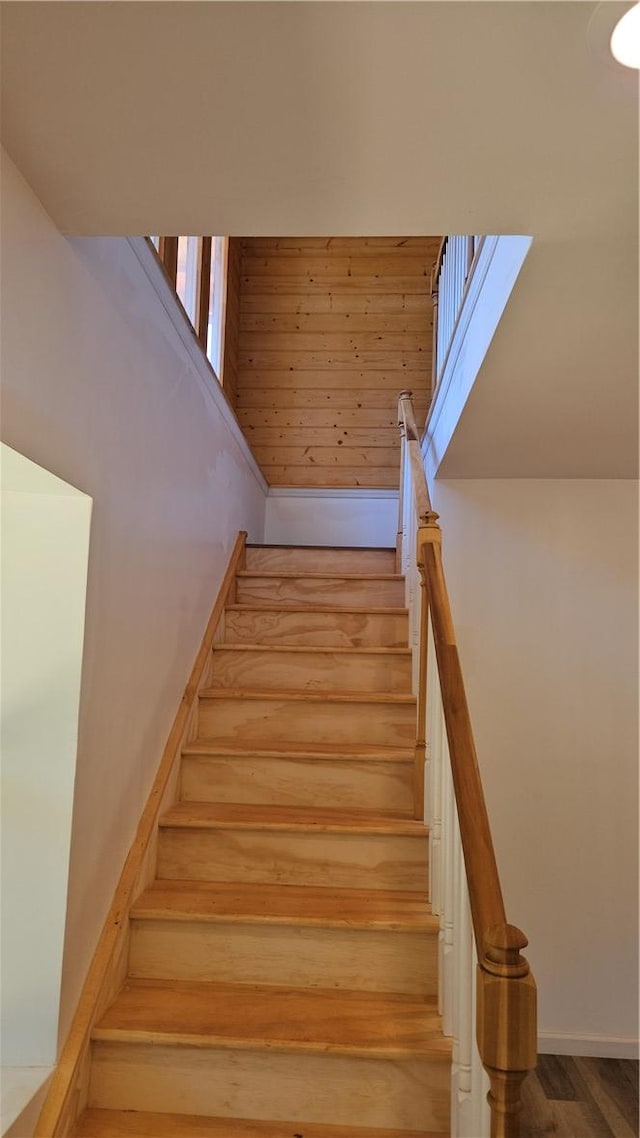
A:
x,y
505,1024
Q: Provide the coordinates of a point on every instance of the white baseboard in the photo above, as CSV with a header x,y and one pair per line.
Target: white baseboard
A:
x,y
599,1046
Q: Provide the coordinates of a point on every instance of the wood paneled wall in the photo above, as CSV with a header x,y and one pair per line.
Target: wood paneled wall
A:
x,y
232,321
331,330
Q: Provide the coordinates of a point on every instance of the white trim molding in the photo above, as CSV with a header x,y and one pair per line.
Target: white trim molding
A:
x,y
495,270
598,1046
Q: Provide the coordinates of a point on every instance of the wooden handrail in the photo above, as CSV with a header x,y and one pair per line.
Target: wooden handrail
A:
x,y
408,425
506,1008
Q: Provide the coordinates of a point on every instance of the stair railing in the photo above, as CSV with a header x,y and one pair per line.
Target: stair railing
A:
x,y
449,279
464,883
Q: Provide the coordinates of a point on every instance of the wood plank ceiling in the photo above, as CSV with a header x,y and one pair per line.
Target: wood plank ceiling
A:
x,y
330,330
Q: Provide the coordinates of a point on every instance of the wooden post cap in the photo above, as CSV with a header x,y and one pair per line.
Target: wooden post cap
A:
x,y
502,947
429,531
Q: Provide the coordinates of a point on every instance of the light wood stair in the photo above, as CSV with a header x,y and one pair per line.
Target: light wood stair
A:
x,y
282,966
254,716
293,775
276,666
292,846
317,559
354,626
320,588
143,1124
300,936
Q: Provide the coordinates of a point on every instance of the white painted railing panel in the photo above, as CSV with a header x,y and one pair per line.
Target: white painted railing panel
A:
x,y
480,1112
456,267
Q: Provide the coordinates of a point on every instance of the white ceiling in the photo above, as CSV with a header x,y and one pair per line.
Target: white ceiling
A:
x,y
370,118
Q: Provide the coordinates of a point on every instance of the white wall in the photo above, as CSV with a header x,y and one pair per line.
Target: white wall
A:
x,y
543,577
45,547
102,389
332,517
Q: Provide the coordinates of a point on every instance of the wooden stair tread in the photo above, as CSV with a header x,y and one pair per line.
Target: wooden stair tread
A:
x,y
285,904
142,1124
338,751
287,574
232,815
214,964
204,1014
333,548
240,646
273,606
309,696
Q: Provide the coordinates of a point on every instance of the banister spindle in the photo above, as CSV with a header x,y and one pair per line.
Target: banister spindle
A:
x,y
420,752
436,735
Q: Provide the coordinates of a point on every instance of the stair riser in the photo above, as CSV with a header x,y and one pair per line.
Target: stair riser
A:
x,y
314,560
270,721
319,591
411,1094
367,861
291,782
298,957
311,671
328,629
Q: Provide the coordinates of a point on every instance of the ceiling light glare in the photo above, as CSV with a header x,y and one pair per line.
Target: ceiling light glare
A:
x,y
625,41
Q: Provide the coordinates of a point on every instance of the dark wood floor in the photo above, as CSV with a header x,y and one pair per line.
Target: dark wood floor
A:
x,y
581,1098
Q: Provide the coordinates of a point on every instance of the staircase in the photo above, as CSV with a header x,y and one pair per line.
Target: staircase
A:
x,y
282,966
